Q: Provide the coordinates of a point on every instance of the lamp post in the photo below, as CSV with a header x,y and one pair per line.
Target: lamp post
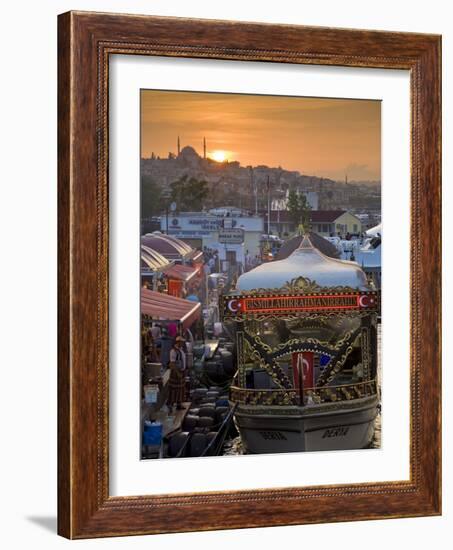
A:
x,y
268,206
168,206
166,197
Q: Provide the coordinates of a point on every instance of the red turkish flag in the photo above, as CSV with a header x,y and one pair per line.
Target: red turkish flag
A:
x,y
302,361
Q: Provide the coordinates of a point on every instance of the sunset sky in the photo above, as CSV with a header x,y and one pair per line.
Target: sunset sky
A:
x,y
322,137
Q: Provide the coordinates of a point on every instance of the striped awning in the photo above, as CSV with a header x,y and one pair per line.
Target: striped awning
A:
x,y
152,259
161,307
168,246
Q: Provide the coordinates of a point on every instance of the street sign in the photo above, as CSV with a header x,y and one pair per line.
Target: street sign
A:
x,y
231,236
173,206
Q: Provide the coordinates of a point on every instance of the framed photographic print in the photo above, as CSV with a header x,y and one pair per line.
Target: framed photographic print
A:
x,y
235,331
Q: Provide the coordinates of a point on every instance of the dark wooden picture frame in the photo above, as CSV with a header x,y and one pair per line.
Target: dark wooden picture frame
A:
x,y
86,40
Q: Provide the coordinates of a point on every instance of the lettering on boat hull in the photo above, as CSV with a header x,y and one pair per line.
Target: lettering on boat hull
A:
x,y
340,431
344,429
272,435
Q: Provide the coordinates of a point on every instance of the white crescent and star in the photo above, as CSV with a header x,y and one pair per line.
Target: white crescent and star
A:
x,y
364,301
234,305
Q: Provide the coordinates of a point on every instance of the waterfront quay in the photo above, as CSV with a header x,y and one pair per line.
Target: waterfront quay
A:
x,y
275,349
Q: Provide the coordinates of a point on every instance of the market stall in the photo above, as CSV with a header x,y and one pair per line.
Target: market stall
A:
x,y
156,306
182,279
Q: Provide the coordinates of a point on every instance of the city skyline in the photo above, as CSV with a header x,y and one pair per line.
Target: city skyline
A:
x,y
316,136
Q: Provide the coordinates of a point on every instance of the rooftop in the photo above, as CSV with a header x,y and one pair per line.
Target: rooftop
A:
x,y
316,216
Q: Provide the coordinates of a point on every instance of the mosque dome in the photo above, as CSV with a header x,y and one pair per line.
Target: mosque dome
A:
x,y
189,155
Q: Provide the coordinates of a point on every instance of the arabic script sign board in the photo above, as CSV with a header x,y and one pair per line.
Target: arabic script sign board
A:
x,y
240,307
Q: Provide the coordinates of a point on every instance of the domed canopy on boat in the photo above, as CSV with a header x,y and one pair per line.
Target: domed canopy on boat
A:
x,y
308,262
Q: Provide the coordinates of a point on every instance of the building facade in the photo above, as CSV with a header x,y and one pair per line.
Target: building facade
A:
x,y
230,231
323,222
335,222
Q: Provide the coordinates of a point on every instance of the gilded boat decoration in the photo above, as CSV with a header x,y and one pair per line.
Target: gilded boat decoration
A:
x,y
304,380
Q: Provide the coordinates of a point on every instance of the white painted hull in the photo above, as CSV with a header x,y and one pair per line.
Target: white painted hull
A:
x,y
326,427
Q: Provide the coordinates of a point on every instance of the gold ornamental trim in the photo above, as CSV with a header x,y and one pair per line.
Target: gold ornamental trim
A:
x,y
302,285
317,396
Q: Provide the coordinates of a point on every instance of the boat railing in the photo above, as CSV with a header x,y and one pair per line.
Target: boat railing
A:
x,y
324,394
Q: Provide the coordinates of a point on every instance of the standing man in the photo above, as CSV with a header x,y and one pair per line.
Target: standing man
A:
x,y
217,261
156,332
212,264
176,383
248,261
164,345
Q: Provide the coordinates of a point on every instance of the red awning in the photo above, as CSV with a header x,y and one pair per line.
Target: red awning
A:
x,y
181,272
169,308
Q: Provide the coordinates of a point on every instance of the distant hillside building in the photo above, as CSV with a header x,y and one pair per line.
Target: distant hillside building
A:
x,y
248,184
322,222
334,222
312,198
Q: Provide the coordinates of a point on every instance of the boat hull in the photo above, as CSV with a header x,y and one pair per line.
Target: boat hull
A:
x,y
325,427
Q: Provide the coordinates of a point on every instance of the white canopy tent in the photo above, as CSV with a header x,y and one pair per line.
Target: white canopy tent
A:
x,y
375,231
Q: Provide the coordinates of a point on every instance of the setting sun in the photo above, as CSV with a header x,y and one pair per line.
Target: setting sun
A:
x,y
219,156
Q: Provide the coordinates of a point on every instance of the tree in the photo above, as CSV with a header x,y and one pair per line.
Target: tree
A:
x,y
299,210
151,200
189,193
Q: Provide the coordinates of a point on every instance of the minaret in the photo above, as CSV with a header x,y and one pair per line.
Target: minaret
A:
x,y
204,148
179,147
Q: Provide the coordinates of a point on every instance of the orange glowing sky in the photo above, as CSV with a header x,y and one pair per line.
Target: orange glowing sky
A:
x,y
322,137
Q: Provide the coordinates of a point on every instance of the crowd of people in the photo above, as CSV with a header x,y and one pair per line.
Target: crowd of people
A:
x,y
251,261
211,260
